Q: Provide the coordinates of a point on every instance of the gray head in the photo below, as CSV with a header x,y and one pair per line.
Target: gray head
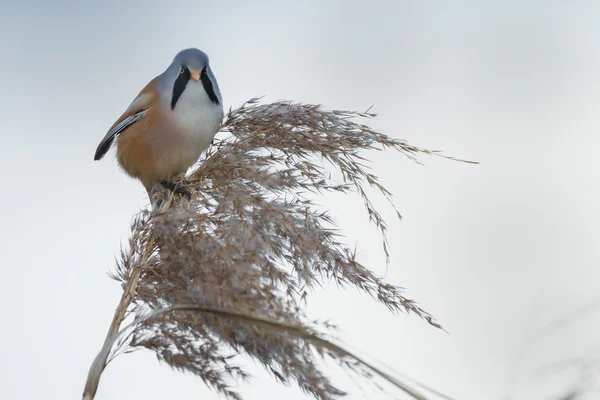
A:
x,y
189,65
192,58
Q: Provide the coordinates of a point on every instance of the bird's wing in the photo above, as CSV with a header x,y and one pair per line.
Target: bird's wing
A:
x,y
136,111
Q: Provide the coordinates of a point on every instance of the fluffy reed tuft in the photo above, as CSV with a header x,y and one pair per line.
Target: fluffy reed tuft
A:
x,y
225,272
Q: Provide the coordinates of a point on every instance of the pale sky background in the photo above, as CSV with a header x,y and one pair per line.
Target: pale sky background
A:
x,y
494,251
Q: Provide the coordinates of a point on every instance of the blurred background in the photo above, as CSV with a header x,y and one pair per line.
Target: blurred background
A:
x,y
504,254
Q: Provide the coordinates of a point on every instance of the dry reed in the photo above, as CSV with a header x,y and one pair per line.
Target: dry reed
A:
x,y
225,272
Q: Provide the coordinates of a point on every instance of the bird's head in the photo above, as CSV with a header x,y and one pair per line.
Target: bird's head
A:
x,y
191,67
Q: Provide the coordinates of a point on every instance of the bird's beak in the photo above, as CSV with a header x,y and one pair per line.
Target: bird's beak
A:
x,y
195,75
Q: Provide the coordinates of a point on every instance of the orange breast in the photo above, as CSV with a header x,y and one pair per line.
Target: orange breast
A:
x,y
134,150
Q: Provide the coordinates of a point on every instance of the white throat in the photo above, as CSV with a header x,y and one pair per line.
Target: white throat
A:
x,y
194,112
197,119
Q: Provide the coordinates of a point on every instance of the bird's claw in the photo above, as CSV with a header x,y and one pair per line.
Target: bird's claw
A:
x,y
176,188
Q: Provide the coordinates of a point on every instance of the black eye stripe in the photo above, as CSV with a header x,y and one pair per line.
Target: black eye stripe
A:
x,y
208,87
180,84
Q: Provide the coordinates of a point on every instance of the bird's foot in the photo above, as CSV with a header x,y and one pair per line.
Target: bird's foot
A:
x,y
176,188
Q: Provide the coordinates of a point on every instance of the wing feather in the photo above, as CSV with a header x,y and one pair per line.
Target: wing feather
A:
x,y
136,111
112,134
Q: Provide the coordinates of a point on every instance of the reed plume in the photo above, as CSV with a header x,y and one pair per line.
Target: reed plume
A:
x,y
226,271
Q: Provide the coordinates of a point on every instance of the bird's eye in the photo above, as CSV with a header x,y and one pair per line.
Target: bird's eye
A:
x,y
182,70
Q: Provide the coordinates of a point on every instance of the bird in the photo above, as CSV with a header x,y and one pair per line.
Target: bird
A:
x,y
168,125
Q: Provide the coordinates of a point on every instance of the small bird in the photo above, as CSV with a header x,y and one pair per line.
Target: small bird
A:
x,y
169,124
